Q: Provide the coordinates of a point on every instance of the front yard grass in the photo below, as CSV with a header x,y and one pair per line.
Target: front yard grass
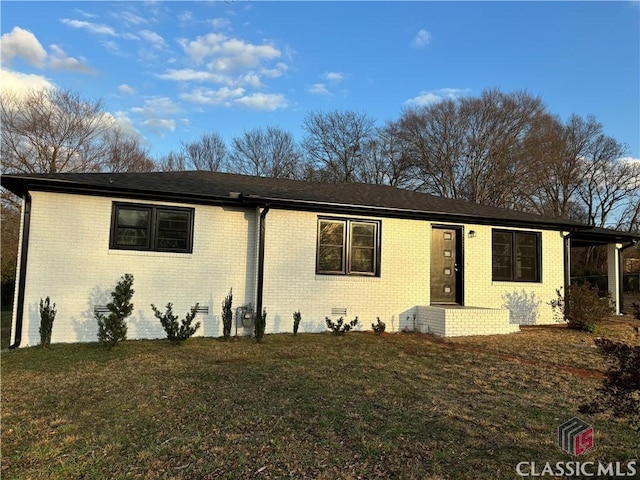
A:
x,y
311,406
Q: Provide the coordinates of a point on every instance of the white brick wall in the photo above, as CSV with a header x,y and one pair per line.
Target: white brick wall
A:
x,y
291,282
70,261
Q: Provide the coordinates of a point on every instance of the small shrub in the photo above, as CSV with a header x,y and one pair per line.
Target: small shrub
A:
x,y
379,327
177,331
340,327
227,315
113,328
261,323
620,389
47,316
636,311
582,307
297,317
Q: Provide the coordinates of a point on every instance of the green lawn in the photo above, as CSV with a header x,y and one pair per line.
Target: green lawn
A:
x,y
312,406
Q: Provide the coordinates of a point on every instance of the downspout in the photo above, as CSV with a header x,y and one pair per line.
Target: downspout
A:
x,y
20,285
261,243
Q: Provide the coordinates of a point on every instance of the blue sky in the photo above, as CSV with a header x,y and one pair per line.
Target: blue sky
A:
x,y
171,71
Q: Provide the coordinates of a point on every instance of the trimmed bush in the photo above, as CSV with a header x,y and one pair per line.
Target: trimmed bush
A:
x,y
582,307
113,328
297,317
340,327
47,316
379,327
636,311
227,315
177,331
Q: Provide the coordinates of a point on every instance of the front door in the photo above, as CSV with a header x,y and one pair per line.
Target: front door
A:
x,y
446,265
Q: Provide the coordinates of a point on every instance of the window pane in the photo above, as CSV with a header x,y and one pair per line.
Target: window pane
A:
x,y
132,229
501,258
133,218
363,235
331,247
363,241
501,268
362,260
331,233
526,257
173,230
329,259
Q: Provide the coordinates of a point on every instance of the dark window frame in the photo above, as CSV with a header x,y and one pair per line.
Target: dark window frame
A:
x,y
152,228
347,268
513,255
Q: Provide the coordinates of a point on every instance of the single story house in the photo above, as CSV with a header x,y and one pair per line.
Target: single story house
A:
x,y
416,261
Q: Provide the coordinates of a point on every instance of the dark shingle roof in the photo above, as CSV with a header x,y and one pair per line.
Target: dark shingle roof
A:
x,y
210,187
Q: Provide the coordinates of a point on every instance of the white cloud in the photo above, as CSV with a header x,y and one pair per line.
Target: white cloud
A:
x,y
22,44
156,112
228,54
126,125
263,101
185,16
426,98
130,18
220,23
333,77
126,89
275,72
156,106
632,160
318,89
160,125
90,26
153,38
61,62
220,97
21,83
422,39
188,74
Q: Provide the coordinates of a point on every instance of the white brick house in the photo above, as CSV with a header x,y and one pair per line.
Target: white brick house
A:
x,y
416,261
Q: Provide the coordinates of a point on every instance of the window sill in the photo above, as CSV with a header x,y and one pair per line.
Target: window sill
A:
x,y
149,253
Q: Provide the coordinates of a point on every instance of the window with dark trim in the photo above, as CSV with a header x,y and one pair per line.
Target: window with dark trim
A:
x,y
348,247
151,228
516,256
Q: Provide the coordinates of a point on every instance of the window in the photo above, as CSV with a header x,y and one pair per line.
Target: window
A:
x,y
348,247
152,228
516,256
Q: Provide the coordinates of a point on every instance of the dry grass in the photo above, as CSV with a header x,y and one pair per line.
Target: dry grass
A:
x,y
311,406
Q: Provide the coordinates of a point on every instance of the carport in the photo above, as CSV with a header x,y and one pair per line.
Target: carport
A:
x,y
616,242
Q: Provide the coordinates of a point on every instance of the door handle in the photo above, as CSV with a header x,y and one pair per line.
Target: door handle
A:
x,y
455,267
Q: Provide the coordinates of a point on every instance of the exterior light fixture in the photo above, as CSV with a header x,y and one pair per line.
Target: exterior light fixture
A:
x,y
472,234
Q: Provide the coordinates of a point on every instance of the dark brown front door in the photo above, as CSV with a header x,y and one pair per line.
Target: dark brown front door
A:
x,y
446,271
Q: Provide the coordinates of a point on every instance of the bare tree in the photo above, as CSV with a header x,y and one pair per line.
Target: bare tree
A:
x,y
209,152
335,143
266,153
386,161
124,153
609,184
51,131
57,131
471,148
